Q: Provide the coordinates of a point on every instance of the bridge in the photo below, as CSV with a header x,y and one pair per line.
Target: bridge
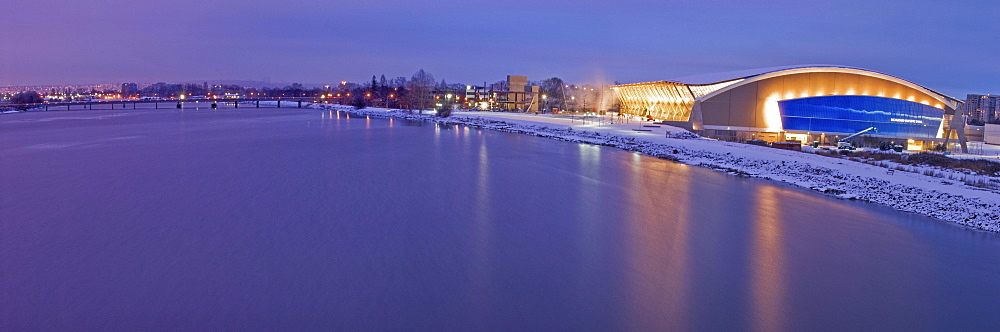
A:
x,y
166,103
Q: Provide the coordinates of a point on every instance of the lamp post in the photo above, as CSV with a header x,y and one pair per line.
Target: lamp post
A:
x,y
573,98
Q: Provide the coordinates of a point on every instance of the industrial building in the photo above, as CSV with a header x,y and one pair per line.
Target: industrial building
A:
x,y
810,103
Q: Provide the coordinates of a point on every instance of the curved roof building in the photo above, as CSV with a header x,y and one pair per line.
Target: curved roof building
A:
x,y
809,100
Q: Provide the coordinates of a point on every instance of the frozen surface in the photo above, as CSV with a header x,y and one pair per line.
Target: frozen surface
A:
x,y
299,219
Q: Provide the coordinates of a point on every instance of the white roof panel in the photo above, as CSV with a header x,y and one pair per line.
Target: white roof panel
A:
x,y
731,75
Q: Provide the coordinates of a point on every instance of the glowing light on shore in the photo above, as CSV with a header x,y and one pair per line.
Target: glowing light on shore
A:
x,y
772,113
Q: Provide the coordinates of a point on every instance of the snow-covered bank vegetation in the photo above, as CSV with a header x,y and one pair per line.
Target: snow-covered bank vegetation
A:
x,y
974,172
911,191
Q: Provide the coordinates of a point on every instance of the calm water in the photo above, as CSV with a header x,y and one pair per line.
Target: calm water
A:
x,y
292,219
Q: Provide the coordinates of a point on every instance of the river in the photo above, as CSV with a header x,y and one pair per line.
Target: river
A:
x,y
299,219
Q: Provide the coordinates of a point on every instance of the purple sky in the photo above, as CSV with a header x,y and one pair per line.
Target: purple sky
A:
x,y
950,46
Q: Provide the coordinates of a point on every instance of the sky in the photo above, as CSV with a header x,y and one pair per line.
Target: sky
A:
x,y
949,46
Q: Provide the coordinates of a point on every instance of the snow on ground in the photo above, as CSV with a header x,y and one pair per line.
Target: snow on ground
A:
x,y
915,192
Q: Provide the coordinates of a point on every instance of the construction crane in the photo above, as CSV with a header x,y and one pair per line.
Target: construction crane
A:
x,y
845,143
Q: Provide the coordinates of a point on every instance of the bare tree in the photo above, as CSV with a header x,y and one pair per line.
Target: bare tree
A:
x,y
500,86
399,82
420,87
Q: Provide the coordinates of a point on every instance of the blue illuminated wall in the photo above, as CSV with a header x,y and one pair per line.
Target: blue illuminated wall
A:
x,y
851,114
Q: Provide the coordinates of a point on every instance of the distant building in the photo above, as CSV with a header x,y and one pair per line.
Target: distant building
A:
x,y
477,96
982,108
519,95
129,89
513,94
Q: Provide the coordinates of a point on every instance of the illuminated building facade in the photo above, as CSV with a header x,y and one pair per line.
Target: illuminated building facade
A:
x,y
519,95
805,103
516,94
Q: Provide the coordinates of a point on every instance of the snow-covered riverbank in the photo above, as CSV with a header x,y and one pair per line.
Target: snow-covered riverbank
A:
x,y
906,191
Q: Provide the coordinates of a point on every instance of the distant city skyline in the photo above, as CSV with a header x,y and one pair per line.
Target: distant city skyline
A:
x,y
63,43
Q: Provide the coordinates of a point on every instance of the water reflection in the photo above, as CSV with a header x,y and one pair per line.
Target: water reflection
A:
x,y
658,264
341,235
437,136
767,281
482,232
589,194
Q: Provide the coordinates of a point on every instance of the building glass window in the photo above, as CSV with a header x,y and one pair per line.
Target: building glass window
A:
x,y
851,114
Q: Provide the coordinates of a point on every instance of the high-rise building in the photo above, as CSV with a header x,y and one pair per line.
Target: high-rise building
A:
x,y
129,89
983,108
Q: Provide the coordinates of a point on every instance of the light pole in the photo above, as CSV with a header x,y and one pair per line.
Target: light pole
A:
x,y
573,98
563,87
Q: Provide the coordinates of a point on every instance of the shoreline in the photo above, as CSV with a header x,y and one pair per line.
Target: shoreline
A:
x,y
950,201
